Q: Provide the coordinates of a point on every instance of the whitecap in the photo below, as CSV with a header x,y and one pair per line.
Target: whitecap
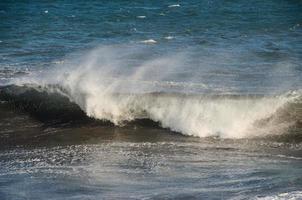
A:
x,y
150,41
169,37
174,5
141,17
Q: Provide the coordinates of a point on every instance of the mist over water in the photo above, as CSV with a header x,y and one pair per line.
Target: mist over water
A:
x,y
122,83
150,100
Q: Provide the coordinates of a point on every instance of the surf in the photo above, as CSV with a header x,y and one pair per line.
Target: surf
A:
x,y
225,116
110,84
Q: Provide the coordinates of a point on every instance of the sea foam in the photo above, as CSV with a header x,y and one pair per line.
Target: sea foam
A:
x,y
107,87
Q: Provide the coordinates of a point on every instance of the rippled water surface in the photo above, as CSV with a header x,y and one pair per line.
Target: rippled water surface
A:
x,y
151,99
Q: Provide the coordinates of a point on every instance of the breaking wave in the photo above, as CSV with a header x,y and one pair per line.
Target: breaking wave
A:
x,y
226,116
117,86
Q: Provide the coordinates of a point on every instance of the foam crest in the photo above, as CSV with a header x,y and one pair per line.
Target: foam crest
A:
x,y
196,116
109,84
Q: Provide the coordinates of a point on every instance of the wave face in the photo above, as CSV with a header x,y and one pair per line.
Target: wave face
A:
x,y
112,84
226,116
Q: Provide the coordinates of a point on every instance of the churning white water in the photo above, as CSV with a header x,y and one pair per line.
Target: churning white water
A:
x,y
107,86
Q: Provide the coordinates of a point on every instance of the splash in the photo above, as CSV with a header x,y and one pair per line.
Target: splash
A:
x,y
109,84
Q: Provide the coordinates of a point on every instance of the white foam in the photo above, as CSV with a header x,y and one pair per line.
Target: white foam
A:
x,y
169,37
105,86
295,195
174,5
150,41
141,17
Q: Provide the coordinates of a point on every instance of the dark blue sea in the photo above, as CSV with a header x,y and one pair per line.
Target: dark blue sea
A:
x,y
151,99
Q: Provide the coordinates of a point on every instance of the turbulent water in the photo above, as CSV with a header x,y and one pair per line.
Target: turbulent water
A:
x,y
151,100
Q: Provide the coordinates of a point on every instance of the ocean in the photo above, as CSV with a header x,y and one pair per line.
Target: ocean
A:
x,y
151,99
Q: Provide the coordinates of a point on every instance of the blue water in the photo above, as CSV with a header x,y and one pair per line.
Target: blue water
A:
x,y
196,47
258,41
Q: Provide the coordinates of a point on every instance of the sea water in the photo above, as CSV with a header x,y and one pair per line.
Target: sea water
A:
x,y
151,100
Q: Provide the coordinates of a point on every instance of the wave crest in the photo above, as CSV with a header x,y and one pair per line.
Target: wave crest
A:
x,y
226,116
121,84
